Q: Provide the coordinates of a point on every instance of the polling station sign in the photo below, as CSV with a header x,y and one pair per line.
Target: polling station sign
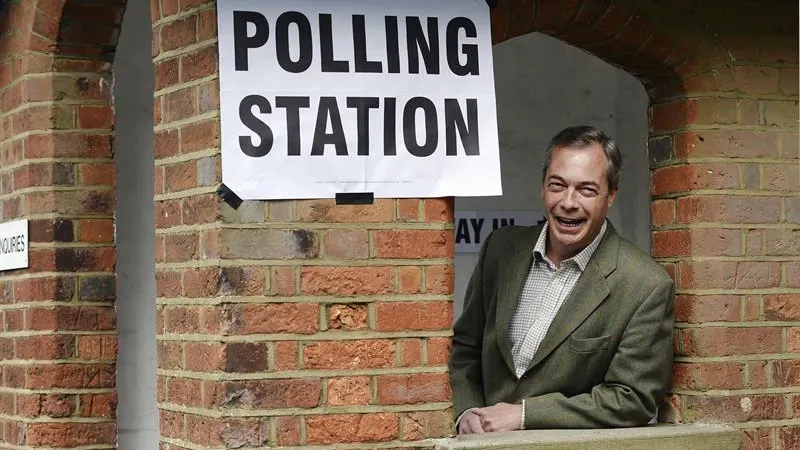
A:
x,y
384,96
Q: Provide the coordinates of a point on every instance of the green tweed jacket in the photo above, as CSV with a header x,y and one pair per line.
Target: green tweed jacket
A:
x,y
605,361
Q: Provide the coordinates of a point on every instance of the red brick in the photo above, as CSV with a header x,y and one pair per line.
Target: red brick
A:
x,y
170,424
267,394
439,210
67,434
95,117
792,271
204,357
201,209
182,320
284,281
781,177
440,279
96,230
363,354
671,243
346,244
180,104
721,341
408,209
301,318
50,405
347,317
410,352
788,438
757,375
782,307
288,431
206,431
178,34
349,391
97,348
707,308
786,373
328,211
413,244
181,247
200,136
727,143
201,63
685,178
285,355
410,279
402,316
99,405
207,24
438,351
170,355
793,340
713,409
70,376
662,212
729,209
789,77
411,389
344,428
706,376
180,176
427,424
346,280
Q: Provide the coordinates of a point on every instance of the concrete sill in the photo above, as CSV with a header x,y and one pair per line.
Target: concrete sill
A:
x,y
654,437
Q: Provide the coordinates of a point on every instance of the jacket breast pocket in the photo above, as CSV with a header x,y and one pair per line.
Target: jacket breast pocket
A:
x,y
589,345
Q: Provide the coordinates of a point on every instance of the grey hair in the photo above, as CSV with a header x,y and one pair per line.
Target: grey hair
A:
x,y
581,137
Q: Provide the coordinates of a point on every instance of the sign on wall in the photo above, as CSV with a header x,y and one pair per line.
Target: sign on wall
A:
x,y
14,245
335,96
473,227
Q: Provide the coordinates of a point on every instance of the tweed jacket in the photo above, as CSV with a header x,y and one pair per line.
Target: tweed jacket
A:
x,y
606,359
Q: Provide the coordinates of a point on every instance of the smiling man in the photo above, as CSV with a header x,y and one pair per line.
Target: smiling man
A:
x,y
566,324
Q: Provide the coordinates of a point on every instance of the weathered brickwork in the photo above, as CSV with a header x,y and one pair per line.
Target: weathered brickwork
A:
x,y
304,323
58,340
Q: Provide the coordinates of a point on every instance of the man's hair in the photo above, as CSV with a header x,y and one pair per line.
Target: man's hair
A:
x,y
581,137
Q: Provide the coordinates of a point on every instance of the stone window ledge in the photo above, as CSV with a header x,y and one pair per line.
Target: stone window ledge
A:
x,y
654,437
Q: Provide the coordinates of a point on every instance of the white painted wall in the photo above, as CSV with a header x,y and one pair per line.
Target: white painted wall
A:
x,y
136,290
543,86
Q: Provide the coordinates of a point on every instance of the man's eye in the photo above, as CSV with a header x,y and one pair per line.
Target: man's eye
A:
x,y
588,192
555,186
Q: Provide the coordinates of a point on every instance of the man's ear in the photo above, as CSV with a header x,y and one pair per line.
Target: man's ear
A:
x,y
611,197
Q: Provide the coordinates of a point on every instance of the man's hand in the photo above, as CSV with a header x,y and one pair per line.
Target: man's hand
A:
x,y
500,417
470,423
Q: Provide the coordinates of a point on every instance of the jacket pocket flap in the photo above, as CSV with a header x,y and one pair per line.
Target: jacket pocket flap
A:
x,y
587,345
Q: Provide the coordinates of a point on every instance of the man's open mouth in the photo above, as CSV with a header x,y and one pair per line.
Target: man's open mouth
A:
x,y
570,223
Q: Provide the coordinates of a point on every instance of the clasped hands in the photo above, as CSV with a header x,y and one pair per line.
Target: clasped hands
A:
x,y
500,417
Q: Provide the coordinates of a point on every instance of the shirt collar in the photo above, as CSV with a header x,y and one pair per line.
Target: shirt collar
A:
x,y
582,258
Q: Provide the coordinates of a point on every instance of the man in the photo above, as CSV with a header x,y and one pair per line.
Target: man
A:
x,y
565,325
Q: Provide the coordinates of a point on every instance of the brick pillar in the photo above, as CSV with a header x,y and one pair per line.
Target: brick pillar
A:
x,y
726,222
58,340
286,323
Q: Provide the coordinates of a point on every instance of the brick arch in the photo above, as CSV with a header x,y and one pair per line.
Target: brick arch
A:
x,y
57,171
634,39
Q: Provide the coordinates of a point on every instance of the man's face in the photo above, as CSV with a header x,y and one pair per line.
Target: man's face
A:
x,y
576,197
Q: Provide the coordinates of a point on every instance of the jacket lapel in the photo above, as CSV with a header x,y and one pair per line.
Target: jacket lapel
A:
x,y
589,292
514,272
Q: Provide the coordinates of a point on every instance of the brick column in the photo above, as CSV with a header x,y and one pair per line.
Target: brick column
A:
x,y
725,216
58,340
286,323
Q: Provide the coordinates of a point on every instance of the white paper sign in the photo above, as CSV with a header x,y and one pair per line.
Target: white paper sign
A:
x,y
384,96
473,227
14,245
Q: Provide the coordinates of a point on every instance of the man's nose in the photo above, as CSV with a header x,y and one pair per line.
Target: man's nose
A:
x,y
569,201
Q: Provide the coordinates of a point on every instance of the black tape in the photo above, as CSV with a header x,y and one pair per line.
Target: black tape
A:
x,y
355,198
228,196
491,3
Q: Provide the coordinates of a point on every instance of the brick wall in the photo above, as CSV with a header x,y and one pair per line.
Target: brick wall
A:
x,y
726,221
58,340
302,323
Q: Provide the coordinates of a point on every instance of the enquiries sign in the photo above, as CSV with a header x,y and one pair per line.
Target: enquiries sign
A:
x,y
14,245
384,96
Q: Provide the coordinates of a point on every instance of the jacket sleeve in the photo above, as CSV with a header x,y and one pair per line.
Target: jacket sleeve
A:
x,y
464,366
635,382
